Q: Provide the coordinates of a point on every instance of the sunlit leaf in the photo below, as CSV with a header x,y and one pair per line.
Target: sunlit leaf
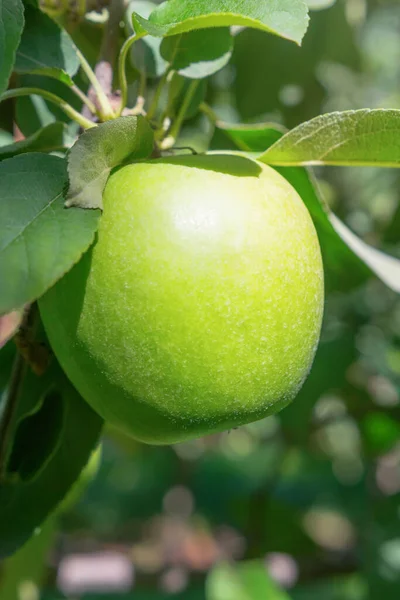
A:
x,y
288,18
353,138
100,149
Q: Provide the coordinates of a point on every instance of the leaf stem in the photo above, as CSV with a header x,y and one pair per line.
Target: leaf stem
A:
x,y
67,108
123,83
209,113
157,94
85,99
106,110
170,140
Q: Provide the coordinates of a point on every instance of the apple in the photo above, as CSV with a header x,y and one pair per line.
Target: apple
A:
x,y
199,306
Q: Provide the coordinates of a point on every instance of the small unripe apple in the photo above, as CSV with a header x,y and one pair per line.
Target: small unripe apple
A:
x,y
199,306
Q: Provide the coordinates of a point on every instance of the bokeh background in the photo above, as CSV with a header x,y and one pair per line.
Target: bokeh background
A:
x,y
303,505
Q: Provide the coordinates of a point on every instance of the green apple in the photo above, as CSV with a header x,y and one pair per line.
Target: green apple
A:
x,y
199,306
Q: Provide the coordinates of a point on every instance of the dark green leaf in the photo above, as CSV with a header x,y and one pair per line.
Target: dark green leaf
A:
x,y
198,54
288,18
48,139
45,48
39,239
359,138
252,138
34,441
99,150
11,25
30,495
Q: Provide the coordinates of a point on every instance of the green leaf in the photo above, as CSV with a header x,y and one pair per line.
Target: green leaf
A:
x,y
386,267
46,49
252,138
11,25
286,18
99,150
34,441
39,239
29,495
198,54
47,139
359,138
245,581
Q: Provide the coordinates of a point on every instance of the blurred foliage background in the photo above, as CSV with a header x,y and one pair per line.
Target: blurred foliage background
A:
x,y
303,505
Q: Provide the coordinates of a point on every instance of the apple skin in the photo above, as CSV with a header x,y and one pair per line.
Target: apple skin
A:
x,y
199,306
